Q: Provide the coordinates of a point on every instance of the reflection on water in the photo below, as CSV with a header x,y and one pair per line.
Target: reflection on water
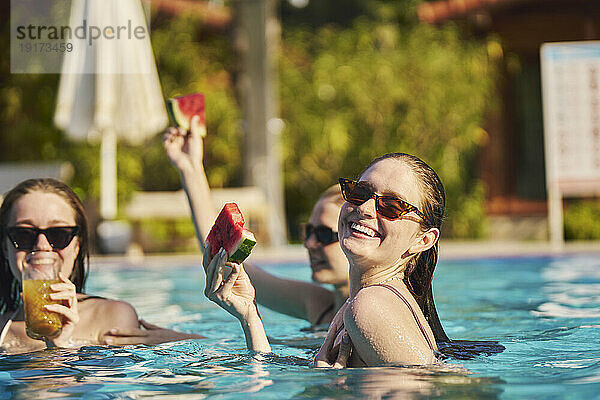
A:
x,y
191,370
405,383
530,328
572,287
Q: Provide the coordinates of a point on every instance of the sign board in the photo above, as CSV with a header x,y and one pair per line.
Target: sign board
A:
x,y
571,101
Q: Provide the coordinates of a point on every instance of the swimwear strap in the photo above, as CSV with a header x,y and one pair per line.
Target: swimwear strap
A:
x,y
397,293
324,313
91,297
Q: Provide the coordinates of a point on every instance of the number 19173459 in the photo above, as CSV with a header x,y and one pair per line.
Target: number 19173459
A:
x,y
46,47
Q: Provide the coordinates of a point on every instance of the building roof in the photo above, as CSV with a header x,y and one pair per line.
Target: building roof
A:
x,y
214,15
523,25
439,11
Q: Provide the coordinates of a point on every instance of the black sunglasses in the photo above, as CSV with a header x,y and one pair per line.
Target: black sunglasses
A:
x,y
24,238
323,234
391,207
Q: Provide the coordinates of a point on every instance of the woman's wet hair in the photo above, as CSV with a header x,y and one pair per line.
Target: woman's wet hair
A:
x,y
9,285
419,270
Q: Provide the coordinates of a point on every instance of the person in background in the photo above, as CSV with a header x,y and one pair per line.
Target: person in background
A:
x,y
46,215
305,300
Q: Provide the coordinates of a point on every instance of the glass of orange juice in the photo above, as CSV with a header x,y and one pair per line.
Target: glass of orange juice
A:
x,y
40,270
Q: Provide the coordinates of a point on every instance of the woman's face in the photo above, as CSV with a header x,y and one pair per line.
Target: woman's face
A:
x,y
41,210
369,239
328,263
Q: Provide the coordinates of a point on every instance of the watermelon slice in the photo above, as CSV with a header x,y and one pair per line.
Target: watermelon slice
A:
x,y
229,233
182,109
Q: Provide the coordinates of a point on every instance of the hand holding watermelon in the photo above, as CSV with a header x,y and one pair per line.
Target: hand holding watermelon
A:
x,y
185,149
229,233
183,108
228,285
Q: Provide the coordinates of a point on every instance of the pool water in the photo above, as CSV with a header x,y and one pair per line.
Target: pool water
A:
x,y
545,311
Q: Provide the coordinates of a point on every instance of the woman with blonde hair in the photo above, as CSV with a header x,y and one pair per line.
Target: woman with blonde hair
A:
x,y
46,215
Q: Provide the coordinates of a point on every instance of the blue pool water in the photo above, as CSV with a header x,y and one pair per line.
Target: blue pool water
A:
x,y
545,311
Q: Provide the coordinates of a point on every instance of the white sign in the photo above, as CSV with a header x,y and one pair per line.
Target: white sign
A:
x,y
571,100
571,96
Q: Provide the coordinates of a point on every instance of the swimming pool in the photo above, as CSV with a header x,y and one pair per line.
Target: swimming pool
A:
x,y
544,310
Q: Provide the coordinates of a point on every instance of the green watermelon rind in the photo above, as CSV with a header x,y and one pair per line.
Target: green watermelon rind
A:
x,y
228,226
171,112
244,247
176,115
179,118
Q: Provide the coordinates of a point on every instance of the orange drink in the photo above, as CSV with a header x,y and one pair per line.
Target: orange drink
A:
x,y
39,271
40,322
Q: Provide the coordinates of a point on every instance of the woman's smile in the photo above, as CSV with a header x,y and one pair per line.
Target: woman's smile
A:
x,y
361,229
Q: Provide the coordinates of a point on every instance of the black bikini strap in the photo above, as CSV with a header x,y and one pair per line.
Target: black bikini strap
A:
x,y
326,311
397,293
91,297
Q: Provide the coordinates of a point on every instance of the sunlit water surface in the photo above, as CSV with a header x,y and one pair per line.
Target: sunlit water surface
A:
x,y
545,311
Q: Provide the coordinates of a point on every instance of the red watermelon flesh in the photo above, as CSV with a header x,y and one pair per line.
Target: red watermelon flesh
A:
x,y
228,232
183,108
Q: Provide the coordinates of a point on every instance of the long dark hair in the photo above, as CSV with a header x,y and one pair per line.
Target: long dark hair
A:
x,y
9,285
419,270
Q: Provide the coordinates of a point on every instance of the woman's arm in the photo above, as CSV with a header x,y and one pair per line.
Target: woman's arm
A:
x,y
298,299
337,347
384,331
229,286
295,298
147,334
184,149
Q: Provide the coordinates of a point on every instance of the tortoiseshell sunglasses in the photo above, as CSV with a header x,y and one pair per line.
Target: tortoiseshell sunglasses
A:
x,y
390,207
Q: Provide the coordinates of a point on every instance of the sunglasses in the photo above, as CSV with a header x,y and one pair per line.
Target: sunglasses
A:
x,y
24,238
323,234
390,207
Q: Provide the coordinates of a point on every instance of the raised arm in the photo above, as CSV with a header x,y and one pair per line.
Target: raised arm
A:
x,y
295,298
184,149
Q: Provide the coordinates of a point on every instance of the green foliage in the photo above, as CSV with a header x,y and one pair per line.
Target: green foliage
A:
x,y
160,235
190,60
580,220
26,107
349,95
375,82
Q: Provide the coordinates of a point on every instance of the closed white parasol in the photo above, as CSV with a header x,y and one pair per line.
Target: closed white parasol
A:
x,y
109,85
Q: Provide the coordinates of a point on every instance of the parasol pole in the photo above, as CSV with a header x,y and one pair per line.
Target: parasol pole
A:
x,y
108,175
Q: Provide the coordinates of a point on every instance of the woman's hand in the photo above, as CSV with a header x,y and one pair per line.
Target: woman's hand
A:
x,y
337,347
184,149
66,293
228,285
150,334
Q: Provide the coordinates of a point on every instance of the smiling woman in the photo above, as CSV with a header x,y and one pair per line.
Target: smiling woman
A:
x,y
388,229
45,215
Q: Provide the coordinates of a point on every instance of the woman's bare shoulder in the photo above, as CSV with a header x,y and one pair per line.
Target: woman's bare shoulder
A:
x,y
377,303
383,329
110,313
